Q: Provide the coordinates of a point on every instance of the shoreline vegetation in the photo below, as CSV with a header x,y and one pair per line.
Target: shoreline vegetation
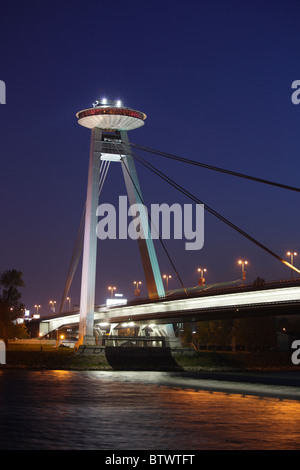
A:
x,y
49,357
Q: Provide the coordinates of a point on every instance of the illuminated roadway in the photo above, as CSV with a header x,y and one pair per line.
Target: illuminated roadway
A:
x,y
281,298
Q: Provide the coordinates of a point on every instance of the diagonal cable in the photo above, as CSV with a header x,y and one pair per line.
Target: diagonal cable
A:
x,y
163,245
215,168
77,251
212,211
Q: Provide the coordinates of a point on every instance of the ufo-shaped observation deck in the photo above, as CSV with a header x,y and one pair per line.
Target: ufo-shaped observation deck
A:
x,y
111,116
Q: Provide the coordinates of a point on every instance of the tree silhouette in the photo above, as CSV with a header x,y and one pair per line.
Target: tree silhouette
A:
x,y
10,304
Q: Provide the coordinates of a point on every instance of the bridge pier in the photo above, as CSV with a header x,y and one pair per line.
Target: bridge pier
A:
x,y
134,347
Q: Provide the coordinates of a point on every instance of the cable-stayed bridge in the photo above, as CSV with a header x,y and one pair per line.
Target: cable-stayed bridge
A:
x,y
156,315
210,303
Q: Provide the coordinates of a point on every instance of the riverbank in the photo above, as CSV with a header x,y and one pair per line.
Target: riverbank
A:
x,y
53,359
238,361
62,358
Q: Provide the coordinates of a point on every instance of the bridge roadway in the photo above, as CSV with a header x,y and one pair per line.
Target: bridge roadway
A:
x,y
274,298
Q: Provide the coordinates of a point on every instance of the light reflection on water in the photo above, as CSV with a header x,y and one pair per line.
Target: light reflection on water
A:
x,y
139,410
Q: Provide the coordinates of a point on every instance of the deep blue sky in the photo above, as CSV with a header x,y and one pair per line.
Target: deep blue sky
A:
x,y
213,77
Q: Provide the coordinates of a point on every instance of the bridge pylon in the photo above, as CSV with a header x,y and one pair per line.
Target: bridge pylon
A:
x,y
109,123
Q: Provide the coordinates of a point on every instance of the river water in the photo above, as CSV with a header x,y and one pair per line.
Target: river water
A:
x,y
91,410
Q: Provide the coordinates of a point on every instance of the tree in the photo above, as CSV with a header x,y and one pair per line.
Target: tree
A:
x,y
10,280
216,334
10,304
256,334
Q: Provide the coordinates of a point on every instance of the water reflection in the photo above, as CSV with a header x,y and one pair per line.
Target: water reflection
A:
x,y
140,410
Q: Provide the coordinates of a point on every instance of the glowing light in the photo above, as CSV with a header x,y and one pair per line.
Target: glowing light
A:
x,y
126,325
115,301
111,111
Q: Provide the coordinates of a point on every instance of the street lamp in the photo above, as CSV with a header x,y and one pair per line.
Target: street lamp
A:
x,y
69,299
137,290
59,337
202,278
243,263
112,289
167,277
37,308
52,303
292,254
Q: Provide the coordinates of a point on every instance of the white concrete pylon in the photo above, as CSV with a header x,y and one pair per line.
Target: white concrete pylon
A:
x,y
88,278
111,121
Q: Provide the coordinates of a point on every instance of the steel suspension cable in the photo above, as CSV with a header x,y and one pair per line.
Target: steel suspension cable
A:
x,y
162,244
77,251
73,264
214,168
212,211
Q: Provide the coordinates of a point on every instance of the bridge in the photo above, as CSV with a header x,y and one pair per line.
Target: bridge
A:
x,y
211,302
155,316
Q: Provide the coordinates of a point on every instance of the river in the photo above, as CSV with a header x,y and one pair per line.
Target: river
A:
x,y
91,410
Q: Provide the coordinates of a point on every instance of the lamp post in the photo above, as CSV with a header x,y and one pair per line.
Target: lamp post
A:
x,y
52,303
112,289
137,290
69,299
243,263
292,254
59,337
37,308
202,278
167,277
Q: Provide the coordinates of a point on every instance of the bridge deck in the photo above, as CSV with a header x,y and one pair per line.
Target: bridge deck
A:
x,y
269,299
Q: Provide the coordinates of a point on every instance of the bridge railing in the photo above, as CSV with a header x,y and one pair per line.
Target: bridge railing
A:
x,y
208,291
132,339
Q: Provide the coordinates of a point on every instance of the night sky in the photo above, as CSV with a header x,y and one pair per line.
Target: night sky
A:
x,y
213,77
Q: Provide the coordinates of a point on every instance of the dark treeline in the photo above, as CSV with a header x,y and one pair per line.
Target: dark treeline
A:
x,y
246,334
11,307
